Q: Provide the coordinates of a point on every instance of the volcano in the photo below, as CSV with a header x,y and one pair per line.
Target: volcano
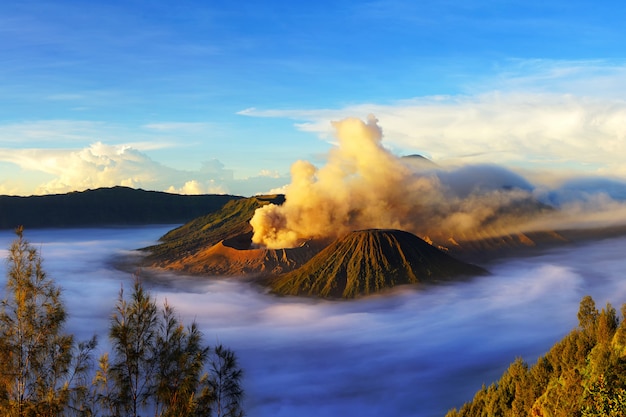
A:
x,y
369,261
235,257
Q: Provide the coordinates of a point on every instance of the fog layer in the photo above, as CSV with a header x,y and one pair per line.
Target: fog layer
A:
x,y
406,353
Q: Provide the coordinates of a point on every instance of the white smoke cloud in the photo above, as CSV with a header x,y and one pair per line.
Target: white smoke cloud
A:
x,y
363,185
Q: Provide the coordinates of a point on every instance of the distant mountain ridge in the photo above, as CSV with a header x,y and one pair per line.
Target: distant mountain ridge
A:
x,y
106,207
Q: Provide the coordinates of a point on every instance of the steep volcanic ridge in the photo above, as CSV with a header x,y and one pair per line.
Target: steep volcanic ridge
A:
x,y
231,222
227,259
219,244
368,261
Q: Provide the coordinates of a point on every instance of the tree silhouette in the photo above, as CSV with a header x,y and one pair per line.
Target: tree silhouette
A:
x,y
180,381
133,334
159,366
42,370
225,381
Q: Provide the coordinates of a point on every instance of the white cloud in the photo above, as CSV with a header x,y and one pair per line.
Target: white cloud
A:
x,y
65,97
534,114
592,78
72,133
196,187
99,165
529,130
105,165
269,173
49,131
279,190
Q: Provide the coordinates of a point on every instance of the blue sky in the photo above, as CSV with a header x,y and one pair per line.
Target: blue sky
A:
x,y
194,96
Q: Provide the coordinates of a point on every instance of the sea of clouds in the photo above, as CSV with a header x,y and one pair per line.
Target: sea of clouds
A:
x,y
412,352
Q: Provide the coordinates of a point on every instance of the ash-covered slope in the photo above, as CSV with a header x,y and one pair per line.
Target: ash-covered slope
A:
x,y
226,258
368,261
219,244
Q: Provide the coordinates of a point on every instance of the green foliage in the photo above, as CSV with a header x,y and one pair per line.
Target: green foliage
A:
x,y
582,375
181,384
604,400
103,396
225,383
42,370
133,333
587,315
159,365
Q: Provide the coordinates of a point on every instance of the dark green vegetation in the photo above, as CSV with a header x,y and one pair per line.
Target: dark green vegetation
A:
x,y
157,366
232,222
106,206
583,375
368,261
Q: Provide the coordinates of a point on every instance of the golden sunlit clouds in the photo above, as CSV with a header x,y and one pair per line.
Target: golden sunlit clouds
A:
x,y
99,165
195,187
363,185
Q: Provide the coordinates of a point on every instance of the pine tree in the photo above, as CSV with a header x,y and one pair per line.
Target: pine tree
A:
x,y
133,334
159,365
605,400
180,383
42,370
103,391
225,381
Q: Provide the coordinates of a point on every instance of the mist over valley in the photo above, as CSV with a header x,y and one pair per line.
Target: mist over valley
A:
x,y
502,259
472,213
406,353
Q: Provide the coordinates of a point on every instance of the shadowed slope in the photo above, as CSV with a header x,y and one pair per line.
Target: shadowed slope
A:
x,y
226,259
220,244
368,261
231,222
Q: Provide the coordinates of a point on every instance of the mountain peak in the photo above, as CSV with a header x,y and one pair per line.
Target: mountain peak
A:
x,y
368,261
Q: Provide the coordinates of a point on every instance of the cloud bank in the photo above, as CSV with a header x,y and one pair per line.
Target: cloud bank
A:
x,y
105,165
533,130
430,349
363,185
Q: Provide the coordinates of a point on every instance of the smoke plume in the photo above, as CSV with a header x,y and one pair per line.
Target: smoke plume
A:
x,y
363,185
